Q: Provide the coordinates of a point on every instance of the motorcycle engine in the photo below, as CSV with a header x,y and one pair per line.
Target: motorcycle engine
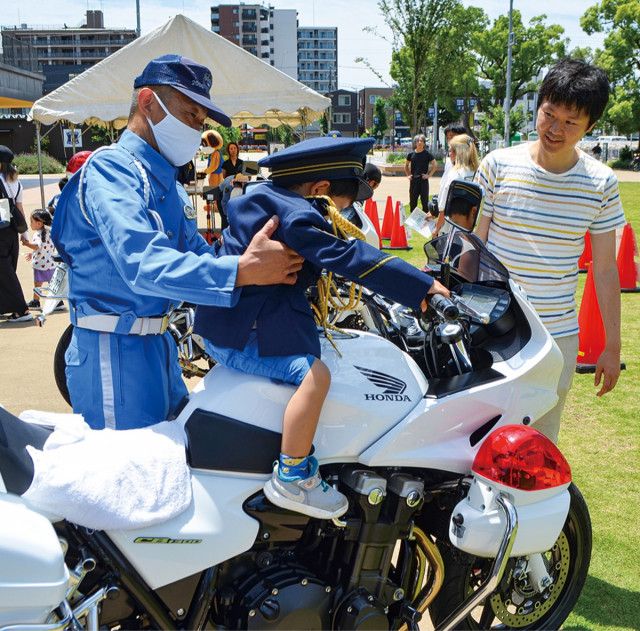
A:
x,y
304,573
281,595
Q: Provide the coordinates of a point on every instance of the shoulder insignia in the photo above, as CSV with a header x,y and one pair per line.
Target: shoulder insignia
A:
x,y
190,211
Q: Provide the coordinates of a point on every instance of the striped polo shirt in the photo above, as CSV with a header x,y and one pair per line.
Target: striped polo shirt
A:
x,y
538,224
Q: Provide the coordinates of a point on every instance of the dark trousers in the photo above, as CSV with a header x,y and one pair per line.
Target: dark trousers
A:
x,y
418,188
11,296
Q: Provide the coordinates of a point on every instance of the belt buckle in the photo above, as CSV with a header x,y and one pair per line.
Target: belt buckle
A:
x,y
164,324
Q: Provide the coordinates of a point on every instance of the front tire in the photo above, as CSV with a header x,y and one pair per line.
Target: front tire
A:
x,y
515,604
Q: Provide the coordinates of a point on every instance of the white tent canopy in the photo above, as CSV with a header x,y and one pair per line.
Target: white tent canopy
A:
x,y
244,87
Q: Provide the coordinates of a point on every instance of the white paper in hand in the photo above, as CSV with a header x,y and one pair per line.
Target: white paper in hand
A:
x,y
419,221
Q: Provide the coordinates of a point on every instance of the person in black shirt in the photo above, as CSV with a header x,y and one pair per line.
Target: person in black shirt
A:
x,y
419,166
233,164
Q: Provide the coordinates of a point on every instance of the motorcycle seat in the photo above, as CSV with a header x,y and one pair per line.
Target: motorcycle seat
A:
x,y
16,466
217,442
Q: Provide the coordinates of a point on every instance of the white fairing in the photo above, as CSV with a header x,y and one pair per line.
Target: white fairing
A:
x,y
213,529
356,413
541,515
33,575
436,433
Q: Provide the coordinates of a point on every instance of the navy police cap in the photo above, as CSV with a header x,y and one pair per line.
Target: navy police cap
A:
x,y
325,158
185,75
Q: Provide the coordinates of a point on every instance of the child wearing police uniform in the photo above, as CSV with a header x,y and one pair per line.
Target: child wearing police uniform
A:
x,y
271,331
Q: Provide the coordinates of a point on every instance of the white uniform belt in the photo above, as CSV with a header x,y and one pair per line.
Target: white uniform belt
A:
x,y
108,324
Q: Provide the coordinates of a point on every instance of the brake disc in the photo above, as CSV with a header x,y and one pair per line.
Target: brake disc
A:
x,y
533,605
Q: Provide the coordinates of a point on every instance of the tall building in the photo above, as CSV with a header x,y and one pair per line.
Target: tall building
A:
x,y
60,53
318,57
246,25
308,54
284,40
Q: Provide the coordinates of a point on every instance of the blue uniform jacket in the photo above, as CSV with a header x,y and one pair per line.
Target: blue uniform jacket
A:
x,y
128,258
281,313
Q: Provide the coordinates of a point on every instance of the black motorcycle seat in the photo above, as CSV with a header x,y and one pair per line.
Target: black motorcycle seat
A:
x,y
16,466
217,442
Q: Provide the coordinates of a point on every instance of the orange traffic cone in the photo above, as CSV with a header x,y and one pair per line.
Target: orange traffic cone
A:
x,y
586,256
367,206
398,234
591,337
627,269
387,221
373,215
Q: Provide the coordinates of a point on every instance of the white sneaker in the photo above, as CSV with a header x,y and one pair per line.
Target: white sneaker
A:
x,y
60,306
310,496
25,317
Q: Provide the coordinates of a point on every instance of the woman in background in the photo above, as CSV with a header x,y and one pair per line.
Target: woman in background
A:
x,y
11,297
233,164
464,164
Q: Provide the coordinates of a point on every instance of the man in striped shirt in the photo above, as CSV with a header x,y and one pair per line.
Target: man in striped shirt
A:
x,y
540,199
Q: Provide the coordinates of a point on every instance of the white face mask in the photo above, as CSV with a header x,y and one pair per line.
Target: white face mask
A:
x,y
176,141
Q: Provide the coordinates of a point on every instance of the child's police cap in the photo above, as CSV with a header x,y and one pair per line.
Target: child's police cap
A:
x,y
185,75
324,158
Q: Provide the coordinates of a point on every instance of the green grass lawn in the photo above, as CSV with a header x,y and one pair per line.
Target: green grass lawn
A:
x,y
601,440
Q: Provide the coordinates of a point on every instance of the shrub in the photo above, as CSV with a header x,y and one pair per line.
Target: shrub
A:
x,y
626,154
27,163
394,158
619,163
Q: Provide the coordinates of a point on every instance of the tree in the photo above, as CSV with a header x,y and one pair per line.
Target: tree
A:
x,y
380,124
324,124
534,48
518,119
429,47
620,57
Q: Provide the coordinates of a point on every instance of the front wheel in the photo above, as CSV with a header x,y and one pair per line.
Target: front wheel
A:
x,y
516,604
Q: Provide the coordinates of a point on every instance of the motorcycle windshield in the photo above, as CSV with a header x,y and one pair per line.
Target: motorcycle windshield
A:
x,y
468,257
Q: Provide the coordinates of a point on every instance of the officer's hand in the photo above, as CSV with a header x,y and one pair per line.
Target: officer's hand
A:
x,y
436,288
267,262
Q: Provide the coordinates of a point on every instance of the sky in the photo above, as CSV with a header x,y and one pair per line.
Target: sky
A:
x,y
350,16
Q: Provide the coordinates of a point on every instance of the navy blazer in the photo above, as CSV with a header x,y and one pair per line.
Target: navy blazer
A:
x,y
281,313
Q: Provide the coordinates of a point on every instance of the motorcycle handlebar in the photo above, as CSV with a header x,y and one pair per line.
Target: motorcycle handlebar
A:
x,y
443,307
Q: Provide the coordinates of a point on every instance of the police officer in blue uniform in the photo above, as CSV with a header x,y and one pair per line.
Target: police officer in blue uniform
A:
x,y
128,233
271,332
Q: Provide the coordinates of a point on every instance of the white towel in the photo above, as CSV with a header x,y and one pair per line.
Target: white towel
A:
x,y
108,479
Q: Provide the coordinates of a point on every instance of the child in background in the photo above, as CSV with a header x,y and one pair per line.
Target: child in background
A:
x,y
43,252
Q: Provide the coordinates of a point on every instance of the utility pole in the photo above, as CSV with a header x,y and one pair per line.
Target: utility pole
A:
x,y
434,139
138,18
507,98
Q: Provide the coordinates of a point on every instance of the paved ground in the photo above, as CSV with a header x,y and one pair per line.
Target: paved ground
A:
x,y
26,373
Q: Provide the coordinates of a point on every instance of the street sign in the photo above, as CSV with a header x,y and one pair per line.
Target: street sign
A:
x,y
68,135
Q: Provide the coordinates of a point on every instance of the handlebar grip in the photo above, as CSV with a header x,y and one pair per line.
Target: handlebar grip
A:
x,y
444,306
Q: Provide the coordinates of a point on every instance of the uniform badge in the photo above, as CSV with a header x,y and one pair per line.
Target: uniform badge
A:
x,y
190,211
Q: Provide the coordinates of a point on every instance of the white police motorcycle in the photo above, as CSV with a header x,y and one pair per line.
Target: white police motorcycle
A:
x,y
457,506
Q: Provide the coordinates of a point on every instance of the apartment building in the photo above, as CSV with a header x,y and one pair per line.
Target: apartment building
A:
x,y
344,112
60,53
318,57
308,54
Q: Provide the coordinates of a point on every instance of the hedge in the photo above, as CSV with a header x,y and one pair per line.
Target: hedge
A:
x,y
27,163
